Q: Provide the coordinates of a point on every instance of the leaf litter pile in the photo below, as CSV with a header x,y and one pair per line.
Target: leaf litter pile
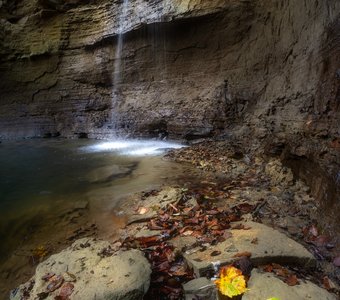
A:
x,y
235,183
204,221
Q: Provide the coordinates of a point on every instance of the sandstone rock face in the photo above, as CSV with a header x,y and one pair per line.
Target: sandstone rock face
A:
x,y
58,65
184,68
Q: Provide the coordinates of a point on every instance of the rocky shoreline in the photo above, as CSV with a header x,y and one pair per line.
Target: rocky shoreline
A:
x,y
245,209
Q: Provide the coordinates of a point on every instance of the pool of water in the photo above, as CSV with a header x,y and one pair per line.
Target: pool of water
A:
x,y
46,184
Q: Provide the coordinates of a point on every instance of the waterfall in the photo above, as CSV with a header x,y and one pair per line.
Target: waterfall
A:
x,y
120,43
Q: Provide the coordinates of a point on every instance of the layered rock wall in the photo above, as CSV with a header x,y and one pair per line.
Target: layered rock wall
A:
x,y
188,68
58,66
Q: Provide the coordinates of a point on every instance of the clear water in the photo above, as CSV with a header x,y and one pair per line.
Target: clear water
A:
x,y
44,177
42,181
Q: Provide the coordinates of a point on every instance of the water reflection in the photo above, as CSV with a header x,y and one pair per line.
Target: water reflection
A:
x,y
49,189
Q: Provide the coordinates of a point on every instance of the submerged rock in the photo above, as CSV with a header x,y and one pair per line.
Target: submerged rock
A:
x,y
89,269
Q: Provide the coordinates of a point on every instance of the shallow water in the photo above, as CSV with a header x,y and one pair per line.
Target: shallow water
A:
x,y
45,182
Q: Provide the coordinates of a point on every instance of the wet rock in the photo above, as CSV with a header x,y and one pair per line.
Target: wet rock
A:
x,y
262,243
124,275
107,173
266,285
81,205
200,288
152,204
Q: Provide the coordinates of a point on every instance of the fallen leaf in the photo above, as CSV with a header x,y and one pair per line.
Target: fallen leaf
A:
x,y
240,227
231,282
47,276
292,280
66,291
326,283
241,254
55,282
245,208
268,268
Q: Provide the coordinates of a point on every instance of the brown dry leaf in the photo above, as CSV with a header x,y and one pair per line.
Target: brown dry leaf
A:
x,y
152,225
178,270
55,282
238,227
292,280
326,283
47,276
268,268
241,254
146,242
245,208
66,291
280,271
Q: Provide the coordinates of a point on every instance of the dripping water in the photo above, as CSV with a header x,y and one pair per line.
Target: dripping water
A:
x,y
120,43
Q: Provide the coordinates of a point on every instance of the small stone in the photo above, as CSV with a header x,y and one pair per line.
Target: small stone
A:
x,y
200,288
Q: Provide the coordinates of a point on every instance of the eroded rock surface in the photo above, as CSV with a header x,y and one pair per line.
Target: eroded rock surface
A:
x,y
266,285
89,270
260,242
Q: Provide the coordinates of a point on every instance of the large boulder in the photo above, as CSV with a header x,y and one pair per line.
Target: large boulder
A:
x,y
89,269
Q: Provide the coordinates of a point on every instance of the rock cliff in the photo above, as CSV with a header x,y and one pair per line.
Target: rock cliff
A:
x,y
184,68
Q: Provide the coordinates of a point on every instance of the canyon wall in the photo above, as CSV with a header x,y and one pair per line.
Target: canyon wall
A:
x,y
264,69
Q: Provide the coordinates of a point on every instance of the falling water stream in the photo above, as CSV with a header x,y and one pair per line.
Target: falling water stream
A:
x,y
120,43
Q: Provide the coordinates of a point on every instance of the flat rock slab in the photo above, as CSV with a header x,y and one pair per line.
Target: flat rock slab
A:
x,y
266,285
152,204
94,273
265,244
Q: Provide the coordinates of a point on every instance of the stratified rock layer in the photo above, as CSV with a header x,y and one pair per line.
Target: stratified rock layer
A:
x,y
58,60
257,69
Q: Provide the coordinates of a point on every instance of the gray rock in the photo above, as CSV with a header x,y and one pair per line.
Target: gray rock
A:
x,y
266,285
201,288
264,243
124,275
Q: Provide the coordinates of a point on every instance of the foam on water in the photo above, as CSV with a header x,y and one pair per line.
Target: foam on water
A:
x,y
133,147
